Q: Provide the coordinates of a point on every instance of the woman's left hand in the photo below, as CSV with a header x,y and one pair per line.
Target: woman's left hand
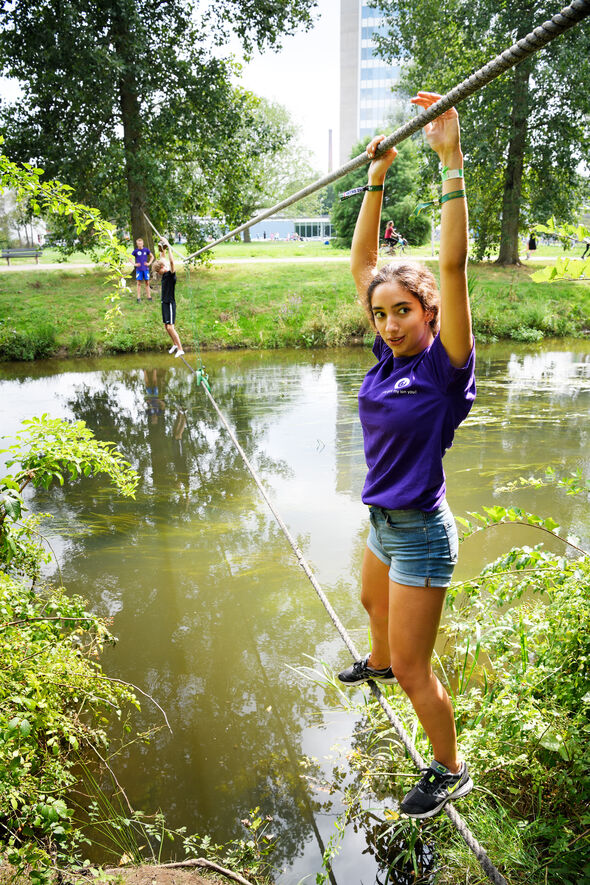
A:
x,y
443,134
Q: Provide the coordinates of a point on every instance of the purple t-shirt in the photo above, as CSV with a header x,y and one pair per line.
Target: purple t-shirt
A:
x,y
141,256
409,408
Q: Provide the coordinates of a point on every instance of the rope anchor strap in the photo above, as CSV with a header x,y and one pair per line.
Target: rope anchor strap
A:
x,y
202,378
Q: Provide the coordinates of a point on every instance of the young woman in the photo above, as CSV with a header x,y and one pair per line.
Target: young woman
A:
x,y
410,404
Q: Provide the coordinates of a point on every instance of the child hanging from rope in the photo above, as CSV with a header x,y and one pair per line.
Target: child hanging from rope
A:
x,y
165,270
410,404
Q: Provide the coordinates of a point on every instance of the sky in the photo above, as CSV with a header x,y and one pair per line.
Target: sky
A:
x,y
304,76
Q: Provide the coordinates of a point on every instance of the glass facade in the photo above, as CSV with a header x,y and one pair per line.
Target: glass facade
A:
x,y
367,98
376,79
314,229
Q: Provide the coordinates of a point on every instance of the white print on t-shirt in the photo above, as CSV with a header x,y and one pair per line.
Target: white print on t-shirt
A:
x,y
400,387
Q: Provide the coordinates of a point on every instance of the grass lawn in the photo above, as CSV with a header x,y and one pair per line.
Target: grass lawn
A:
x,y
258,305
277,249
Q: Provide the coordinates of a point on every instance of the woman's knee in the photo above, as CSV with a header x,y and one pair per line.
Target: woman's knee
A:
x,y
411,675
375,602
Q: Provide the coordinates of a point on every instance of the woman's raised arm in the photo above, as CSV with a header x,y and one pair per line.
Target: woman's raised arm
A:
x,y
365,242
443,136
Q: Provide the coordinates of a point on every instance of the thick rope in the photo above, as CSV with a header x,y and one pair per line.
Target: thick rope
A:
x,y
568,17
493,874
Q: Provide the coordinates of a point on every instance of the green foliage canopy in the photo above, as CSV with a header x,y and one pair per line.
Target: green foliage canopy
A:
x,y
125,100
526,133
399,197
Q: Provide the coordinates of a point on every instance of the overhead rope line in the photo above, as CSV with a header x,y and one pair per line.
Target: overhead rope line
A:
x,y
568,17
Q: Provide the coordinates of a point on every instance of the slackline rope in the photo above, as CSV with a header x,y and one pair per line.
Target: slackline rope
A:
x,y
568,17
493,874
533,42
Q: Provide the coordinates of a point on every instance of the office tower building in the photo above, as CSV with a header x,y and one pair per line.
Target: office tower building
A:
x,y
366,98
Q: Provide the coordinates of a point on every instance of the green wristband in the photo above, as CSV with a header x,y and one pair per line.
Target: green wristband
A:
x,y
454,195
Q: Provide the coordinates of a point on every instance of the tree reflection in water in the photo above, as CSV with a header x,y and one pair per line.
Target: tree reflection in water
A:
x,y
189,571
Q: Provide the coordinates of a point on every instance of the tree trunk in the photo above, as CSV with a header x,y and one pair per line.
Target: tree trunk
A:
x,y
514,166
247,237
132,137
132,133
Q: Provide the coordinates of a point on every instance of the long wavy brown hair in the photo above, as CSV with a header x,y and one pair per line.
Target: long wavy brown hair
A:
x,y
419,282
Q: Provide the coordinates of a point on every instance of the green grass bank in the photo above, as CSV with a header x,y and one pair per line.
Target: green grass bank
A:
x,y
258,304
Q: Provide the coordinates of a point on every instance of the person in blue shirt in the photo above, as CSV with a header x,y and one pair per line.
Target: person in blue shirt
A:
x,y
143,259
410,404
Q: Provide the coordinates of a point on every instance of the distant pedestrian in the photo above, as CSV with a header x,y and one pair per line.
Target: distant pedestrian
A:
x,y
165,269
587,244
531,245
143,259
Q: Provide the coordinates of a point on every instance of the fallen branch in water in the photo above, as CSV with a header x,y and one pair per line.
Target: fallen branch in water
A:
x,y
192,862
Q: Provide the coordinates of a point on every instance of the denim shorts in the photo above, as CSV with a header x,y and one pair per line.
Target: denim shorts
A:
x,y
421,549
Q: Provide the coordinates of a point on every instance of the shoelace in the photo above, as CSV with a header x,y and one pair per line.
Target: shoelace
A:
x,y
429,784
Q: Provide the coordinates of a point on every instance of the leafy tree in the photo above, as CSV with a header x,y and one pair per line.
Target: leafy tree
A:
x,y
566,267
54,199
46,451
122,99
526,133
263,164
399,197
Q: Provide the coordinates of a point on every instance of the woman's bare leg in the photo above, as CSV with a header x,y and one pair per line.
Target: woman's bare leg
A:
x,y
375,598
173,334
414,617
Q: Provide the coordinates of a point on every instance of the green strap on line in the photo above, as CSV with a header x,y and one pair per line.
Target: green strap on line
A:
x,y
203,378
454,195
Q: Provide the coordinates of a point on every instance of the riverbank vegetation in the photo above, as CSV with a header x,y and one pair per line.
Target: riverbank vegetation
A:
x,y
44,314
61,716
516,666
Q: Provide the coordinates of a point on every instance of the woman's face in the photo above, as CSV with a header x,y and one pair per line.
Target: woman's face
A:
x,y
400,319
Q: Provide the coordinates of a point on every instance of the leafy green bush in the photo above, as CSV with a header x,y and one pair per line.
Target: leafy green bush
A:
x,y
83,344
53,695
519,675
38,343
53,704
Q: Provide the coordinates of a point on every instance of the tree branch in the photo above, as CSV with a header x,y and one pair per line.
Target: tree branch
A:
x,y
192,862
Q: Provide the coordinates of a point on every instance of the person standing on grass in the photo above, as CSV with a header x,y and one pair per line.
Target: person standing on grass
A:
x,y
531,244
165,269
143,259
410,404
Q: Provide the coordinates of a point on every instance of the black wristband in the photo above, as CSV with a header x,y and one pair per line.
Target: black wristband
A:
x,y
360,190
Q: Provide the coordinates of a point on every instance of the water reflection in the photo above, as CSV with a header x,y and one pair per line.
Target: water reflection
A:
x,y
210,605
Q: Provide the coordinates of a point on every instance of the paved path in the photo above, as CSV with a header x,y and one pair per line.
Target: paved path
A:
x,y
320,259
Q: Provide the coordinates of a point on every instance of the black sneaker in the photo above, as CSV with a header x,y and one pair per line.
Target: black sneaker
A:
x,y
436,787
361,672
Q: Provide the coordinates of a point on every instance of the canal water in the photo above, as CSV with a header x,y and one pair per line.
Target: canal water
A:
x,y
215,618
